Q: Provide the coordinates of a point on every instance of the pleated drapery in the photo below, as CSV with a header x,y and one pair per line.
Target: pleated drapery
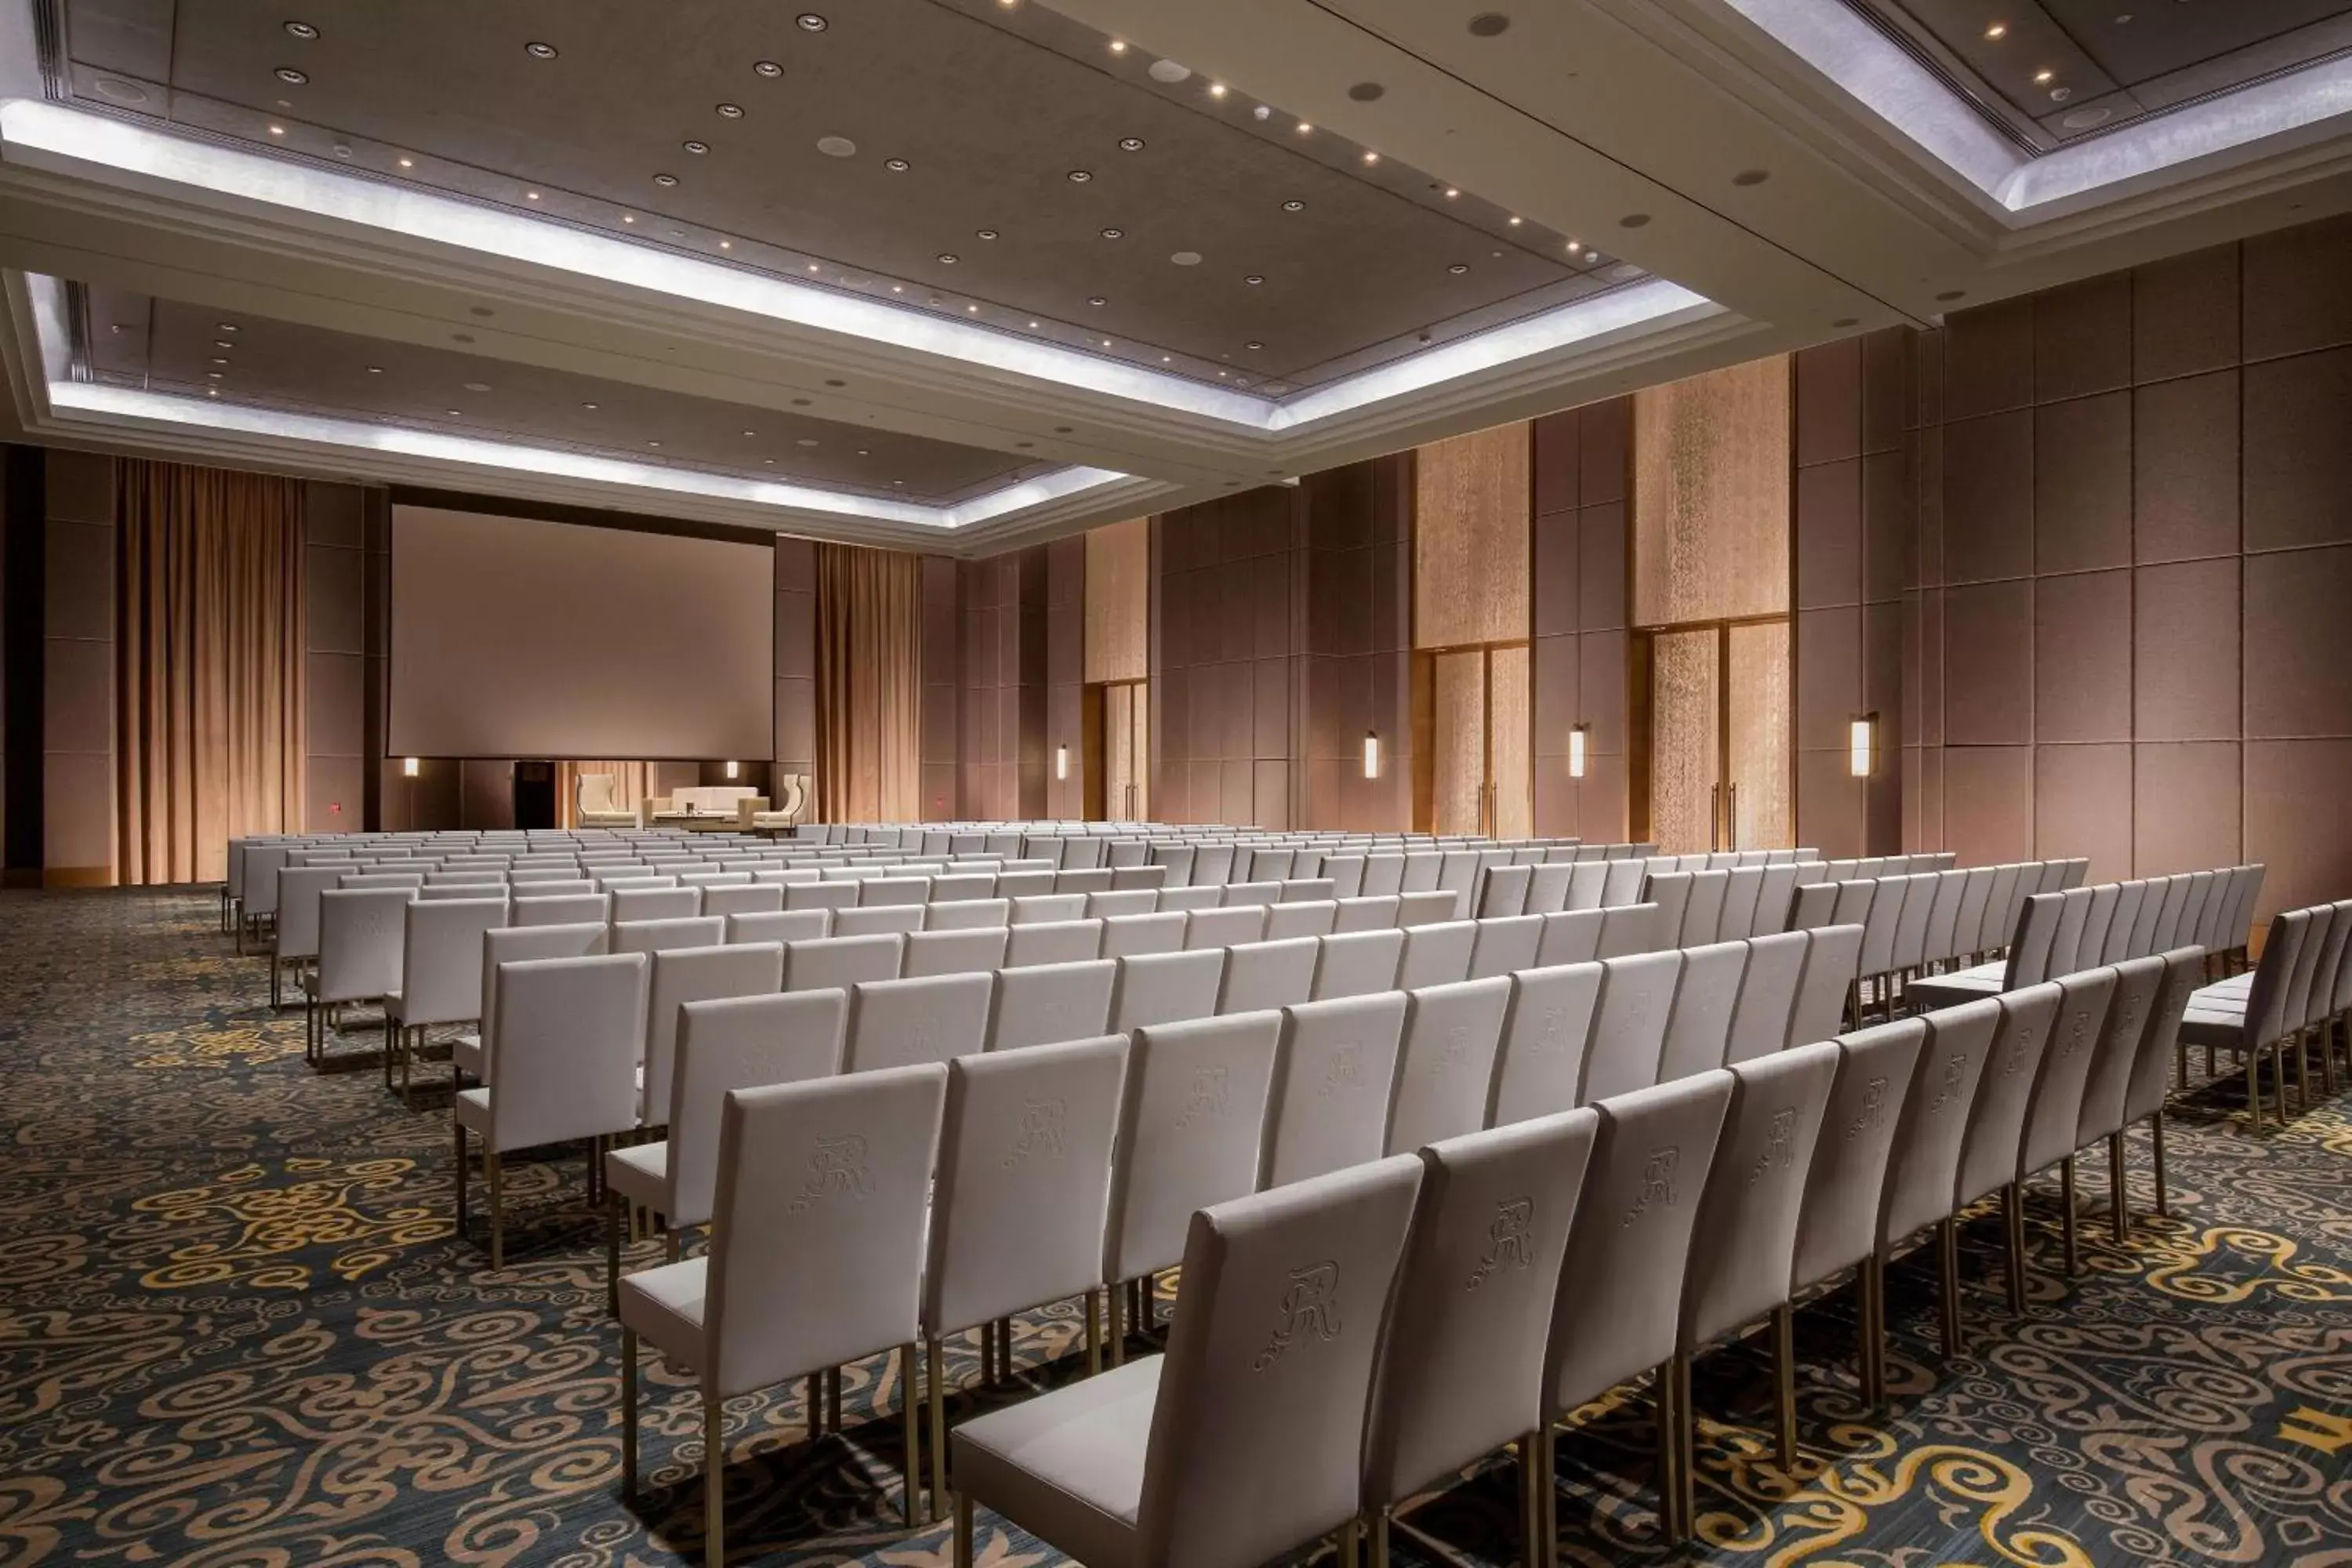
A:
x,y
869,660
209,666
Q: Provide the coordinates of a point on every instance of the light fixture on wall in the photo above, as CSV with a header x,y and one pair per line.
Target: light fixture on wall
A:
x,y
409,767
1576,735
1061,761
1371,754
1861,745
734,770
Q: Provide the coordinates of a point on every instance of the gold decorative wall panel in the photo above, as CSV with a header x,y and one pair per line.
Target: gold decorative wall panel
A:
x,y
1458,724
1711,496
1470,538
1685,750
1118,600
1509,727
1761,723
1126,755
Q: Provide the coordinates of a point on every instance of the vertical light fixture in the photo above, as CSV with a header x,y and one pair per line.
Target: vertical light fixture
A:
x,y
1576,734
1371,754
734,770
408,767
1861,745
1061,761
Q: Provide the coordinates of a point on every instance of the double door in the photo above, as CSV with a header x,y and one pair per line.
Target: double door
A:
x,y
1473,714
1118,752
1718,711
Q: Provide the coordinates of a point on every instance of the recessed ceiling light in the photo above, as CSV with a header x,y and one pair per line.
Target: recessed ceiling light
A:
x,y
478,386
894,288
540,51
1451,191
1371,157
628,218
589,406
1846,321
455,414
984,233
1997,31
1216,90
900,482
831,382
211,375
767,68
408,162
2044,78
1574,245
1459,268
1516,220
1294,205
836,146
770,461
972,309
895,165
218,361
864,452
1033,326
665,181
375,370
1751,176
217,342
726,245
696,148
731,111
1080,176
1253,343
1262,112
653,443
1186,258
530,195
1633,220
302,30
946,259
1489,23
342,151
1168,72
1130,143
212,392
805,441
1305,129
1118,45
1096,300
292,77
1106,342
1114,234
228,326
810,21
1253,279
277,130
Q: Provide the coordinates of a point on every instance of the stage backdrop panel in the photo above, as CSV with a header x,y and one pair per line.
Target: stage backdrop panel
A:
x,y
512,637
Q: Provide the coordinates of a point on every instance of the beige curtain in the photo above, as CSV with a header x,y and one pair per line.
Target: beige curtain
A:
x,y
629,782
869,662
208,666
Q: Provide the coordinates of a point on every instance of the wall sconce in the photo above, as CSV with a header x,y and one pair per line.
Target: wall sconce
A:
x,y
1861,745
1576,735
1061,761
408,767
1371,754
734,770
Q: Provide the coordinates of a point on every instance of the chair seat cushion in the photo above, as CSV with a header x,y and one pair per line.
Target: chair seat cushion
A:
x,y
665,1305
1067,1465
472,1109
2226,1030
640,1174
466,1055
1960,985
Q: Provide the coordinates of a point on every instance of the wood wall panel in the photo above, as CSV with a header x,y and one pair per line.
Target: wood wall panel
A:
x,y
1118,600
1711,464
1471,539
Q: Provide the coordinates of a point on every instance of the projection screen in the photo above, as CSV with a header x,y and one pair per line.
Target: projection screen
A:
x,y
512,637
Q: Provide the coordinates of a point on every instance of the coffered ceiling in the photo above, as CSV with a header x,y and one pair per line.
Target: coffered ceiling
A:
x,y
1055,265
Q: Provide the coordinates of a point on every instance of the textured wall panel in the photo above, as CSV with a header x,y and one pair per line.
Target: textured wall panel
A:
x,y
1118,599
1711,496
1471,539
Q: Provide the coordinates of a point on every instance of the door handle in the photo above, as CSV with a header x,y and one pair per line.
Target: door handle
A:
x,y
1714,817
1731,819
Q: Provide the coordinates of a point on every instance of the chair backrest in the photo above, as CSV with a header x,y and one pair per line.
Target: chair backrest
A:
x,y
655,903
1238,1402
1920,891
2128,1019
441,965
1628,929
1698,1025
1629,1023
1223,927
1465,1344
560,910
2151,1072
780,925
969,914
2172,905
1048,909
1242,894
2296,1011
2035,940
731,1043
1839,1225
1050,1003
1744,1247
563,1064
1286,921
1356,963
2134,927
1504,891
1856,897
1505,944
1426,907
1588,885
1166,987
1054,941
929,1018
1630,1244
1420,869
820,895
511,944
1703,910
1436,955
297,927
1306,891
1378,913
1188,899
1924,1156
816,1256
1570,936
1262,974
1878,926
1967,921
1024,1185
1107,905
1813,905
2054,1111
962,886
1445,1061
874,920
1332,1086
2002,900
2004,1094
1548,886
1768,995
1129,936
1621,884
841,962
361,934
1832,961
684,975
1191,1122
894,891
663,935
1670,890
1539,1066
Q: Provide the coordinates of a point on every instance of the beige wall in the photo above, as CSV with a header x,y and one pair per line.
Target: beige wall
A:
x,y
78,693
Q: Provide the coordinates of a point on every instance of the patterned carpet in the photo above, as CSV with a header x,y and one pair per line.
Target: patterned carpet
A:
x,y
236,1330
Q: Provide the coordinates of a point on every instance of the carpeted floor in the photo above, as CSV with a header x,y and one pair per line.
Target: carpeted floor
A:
x,y
234,1329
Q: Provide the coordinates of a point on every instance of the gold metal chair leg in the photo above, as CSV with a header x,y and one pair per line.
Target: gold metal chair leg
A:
x,y
1669,1486
2156,1132
498,1206
1871,1327
912,1415
1346,1541
1004,1348
2066,1215
1686,1468
833,1397
1379,1533
1784,1384
814,1398
2119,1210
612,1255
2255,1086
1548,1494
628,1413
714,1482
963,1531
2012,1209
1118,1329
1947,1266
936,1365
457,1133
1093,1305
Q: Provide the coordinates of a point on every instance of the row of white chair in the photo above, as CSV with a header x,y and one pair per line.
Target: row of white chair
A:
x,y
1917,922
2301,987
1593,1257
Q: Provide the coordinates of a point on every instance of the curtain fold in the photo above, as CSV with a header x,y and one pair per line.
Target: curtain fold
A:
x,y
869,660
209,717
